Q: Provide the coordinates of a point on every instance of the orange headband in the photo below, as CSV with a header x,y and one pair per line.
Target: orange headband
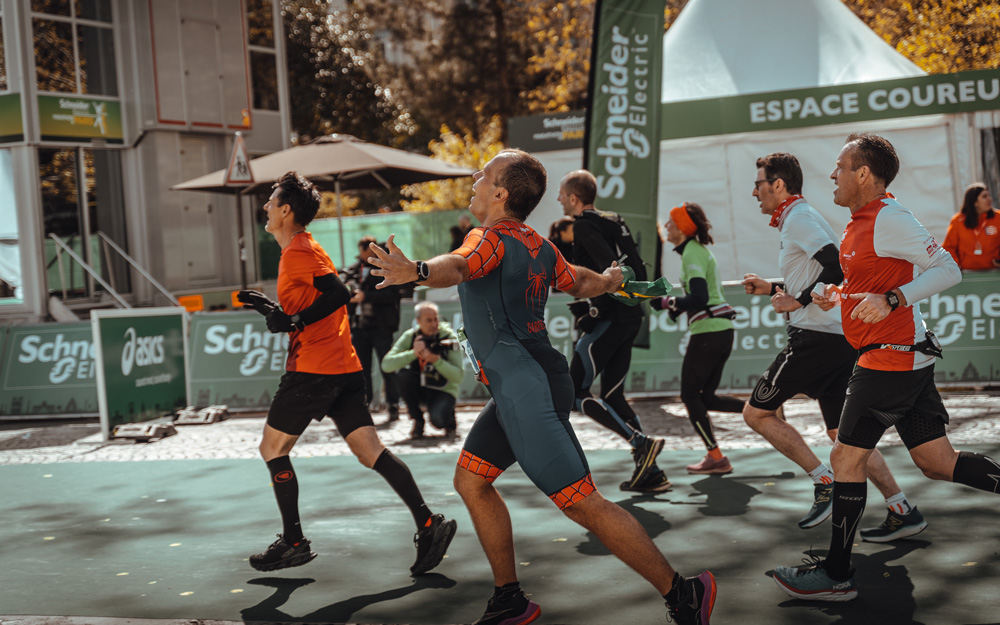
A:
x,y
683,221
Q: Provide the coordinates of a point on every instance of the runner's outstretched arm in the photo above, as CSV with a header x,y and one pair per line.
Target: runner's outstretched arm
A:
x,y
395,268
591,284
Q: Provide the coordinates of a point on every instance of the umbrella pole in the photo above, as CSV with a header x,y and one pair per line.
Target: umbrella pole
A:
x,y
340,223
241,240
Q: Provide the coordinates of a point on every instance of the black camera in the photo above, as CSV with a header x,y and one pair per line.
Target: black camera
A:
x,y
439,346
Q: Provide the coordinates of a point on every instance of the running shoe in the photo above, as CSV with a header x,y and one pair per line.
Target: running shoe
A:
x,y
895,526
711,466
283,555
655,482
697,598
432,543
812,583
822,506
644,454
517,610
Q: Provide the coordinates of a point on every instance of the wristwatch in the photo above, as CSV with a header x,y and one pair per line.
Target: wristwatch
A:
x,y
423,271
892,299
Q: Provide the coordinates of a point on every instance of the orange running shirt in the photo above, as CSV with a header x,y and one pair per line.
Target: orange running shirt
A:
x,y
325,346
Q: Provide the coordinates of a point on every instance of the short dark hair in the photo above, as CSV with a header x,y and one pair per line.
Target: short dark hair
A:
x,y
365,240
300,195
700,219
784,166
558,227
524,178
876,153
968,209
582,184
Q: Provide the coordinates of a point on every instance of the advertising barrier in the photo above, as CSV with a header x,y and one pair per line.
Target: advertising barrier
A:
x,y
47,369
143,364
233,360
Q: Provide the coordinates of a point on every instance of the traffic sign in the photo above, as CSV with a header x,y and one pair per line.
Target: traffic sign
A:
x,y
238,173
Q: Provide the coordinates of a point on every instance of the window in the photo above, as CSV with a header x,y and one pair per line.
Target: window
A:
x,y
263,61
76,212
74,49
3,59
10,254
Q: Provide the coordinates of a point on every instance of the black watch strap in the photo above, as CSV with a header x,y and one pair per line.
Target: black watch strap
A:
x,y
423,271
892,299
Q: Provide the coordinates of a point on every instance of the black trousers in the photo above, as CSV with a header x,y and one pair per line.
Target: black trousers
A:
x,y
367,340
440,405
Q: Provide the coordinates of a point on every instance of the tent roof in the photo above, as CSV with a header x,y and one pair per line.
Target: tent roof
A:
x,y
720,48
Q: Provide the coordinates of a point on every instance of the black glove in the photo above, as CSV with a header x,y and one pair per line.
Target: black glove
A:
x,y
579,307
257,301
586,323
278,321
656,303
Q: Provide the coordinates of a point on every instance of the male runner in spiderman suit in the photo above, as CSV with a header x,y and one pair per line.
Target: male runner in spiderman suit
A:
x,y
504,269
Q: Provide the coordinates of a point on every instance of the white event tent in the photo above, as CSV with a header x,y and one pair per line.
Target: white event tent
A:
x,y
723,48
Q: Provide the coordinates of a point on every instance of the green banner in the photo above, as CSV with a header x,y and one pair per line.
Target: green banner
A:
x,y
47,369
142,356
800,108
621,143
74,118
235,360
11,123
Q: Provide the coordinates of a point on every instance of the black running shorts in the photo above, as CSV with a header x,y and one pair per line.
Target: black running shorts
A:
x,y
817,364
302,397
878,400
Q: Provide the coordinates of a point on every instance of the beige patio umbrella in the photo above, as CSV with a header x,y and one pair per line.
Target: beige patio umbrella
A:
x,y
337,163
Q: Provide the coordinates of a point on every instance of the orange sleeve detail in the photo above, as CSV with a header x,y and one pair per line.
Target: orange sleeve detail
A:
x,y
483,250
564,276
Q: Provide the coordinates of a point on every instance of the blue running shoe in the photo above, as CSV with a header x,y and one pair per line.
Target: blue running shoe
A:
x,y
812,583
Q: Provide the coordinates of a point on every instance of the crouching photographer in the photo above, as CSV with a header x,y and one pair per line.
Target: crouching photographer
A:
x,y
429,366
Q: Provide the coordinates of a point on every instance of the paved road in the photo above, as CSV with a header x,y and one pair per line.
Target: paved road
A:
x,y
975,418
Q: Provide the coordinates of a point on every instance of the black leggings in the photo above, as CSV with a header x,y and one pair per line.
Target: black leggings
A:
x,y
701,373
606,351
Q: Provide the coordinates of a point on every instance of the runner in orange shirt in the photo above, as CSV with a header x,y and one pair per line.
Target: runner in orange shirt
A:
x,y
323,378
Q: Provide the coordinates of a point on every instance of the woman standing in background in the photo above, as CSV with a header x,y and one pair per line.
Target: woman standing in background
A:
x,y
973,237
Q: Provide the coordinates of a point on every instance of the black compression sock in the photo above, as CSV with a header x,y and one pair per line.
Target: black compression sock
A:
x,y
977,471
399,477
286,491
506,592
848,505
673,597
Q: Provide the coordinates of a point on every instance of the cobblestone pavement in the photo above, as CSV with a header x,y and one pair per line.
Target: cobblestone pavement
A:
x,y
975,418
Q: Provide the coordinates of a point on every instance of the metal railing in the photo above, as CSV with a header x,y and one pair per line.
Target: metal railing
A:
x,y
131,261
106,245
63,247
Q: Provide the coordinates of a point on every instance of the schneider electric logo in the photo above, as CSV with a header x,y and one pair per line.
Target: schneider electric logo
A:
x,y
260,350
628,105
70,359
141,351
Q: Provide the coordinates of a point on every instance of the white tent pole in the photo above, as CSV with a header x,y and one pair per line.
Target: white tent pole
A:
x,y
340,223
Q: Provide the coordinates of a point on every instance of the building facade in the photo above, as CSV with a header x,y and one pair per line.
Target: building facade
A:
x,y
104,105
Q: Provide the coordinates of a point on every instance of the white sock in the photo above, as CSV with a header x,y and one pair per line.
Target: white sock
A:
x,y
898,503
821,474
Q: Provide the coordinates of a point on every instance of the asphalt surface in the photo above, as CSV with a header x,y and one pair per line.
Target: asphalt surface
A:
x,y
201,490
